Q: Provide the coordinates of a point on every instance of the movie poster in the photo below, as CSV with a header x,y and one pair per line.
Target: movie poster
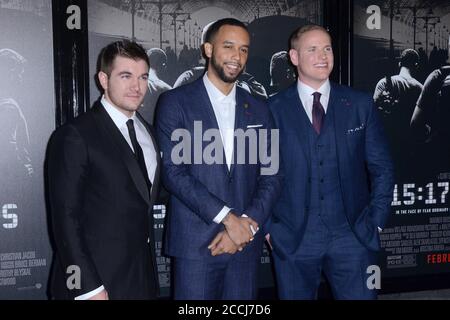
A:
x,y
27,118
171,32
400,56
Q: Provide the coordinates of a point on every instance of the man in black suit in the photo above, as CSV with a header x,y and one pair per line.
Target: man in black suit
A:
x,y
103,175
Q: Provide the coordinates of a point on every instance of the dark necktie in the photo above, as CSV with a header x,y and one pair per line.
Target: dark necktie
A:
x,y
317,112
138,152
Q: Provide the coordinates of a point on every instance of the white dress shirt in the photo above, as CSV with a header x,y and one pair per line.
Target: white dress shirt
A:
x,y
224,107
146,143
305,93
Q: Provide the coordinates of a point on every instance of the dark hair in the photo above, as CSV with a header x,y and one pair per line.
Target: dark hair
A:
x,y
158,58
302,30
123,48
214,28
409,58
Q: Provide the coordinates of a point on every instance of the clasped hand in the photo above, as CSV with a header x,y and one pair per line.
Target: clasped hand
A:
x,y
239,231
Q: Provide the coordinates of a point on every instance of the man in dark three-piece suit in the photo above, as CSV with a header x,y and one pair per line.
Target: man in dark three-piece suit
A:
x,y
338,179
103,172
218,199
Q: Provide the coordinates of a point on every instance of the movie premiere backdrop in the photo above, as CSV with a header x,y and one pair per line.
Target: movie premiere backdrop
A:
x,y
400,56
27,118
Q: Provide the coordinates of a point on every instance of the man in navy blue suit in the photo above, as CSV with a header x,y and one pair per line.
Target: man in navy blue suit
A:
x,y
338,179
222,189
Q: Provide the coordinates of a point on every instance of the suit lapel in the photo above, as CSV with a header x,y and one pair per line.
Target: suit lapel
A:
x,y
298,118
342,113
155,184
116,139
208,116
206,106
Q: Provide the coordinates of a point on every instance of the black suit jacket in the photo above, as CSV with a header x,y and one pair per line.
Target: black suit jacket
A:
x,y
101,210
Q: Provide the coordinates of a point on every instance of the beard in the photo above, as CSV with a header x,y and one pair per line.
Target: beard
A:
x,y
221,72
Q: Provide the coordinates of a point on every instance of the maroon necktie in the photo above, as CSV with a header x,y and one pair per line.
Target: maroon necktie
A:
x,y
317,112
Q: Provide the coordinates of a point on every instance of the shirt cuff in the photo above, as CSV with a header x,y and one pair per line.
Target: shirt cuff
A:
x,y
90,294
379,229
251,227
218,219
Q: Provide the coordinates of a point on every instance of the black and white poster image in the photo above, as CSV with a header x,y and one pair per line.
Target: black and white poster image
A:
x,y
26,121
172,31
401,57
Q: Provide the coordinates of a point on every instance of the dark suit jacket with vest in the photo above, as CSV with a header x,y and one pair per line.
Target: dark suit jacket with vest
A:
x,y
365,169
101,210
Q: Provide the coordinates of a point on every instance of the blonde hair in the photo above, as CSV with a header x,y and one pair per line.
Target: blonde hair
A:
x,y
296,35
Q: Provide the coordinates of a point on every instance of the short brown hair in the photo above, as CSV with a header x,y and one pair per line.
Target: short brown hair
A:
x,y
123,48
302,30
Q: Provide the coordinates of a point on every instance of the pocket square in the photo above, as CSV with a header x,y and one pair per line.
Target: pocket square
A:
x,y
354,130
254,126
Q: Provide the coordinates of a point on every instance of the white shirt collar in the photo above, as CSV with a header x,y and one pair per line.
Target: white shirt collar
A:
x,y
306,91
216,95
118,117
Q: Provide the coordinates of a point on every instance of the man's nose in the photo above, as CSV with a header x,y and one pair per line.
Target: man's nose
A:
x,y
135,84
236,54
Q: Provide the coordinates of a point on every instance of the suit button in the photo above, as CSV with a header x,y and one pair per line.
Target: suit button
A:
x,y
321,180
321,163
309,180
321,197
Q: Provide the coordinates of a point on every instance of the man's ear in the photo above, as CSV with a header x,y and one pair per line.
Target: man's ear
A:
x,y
293,55
103,79
208,47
